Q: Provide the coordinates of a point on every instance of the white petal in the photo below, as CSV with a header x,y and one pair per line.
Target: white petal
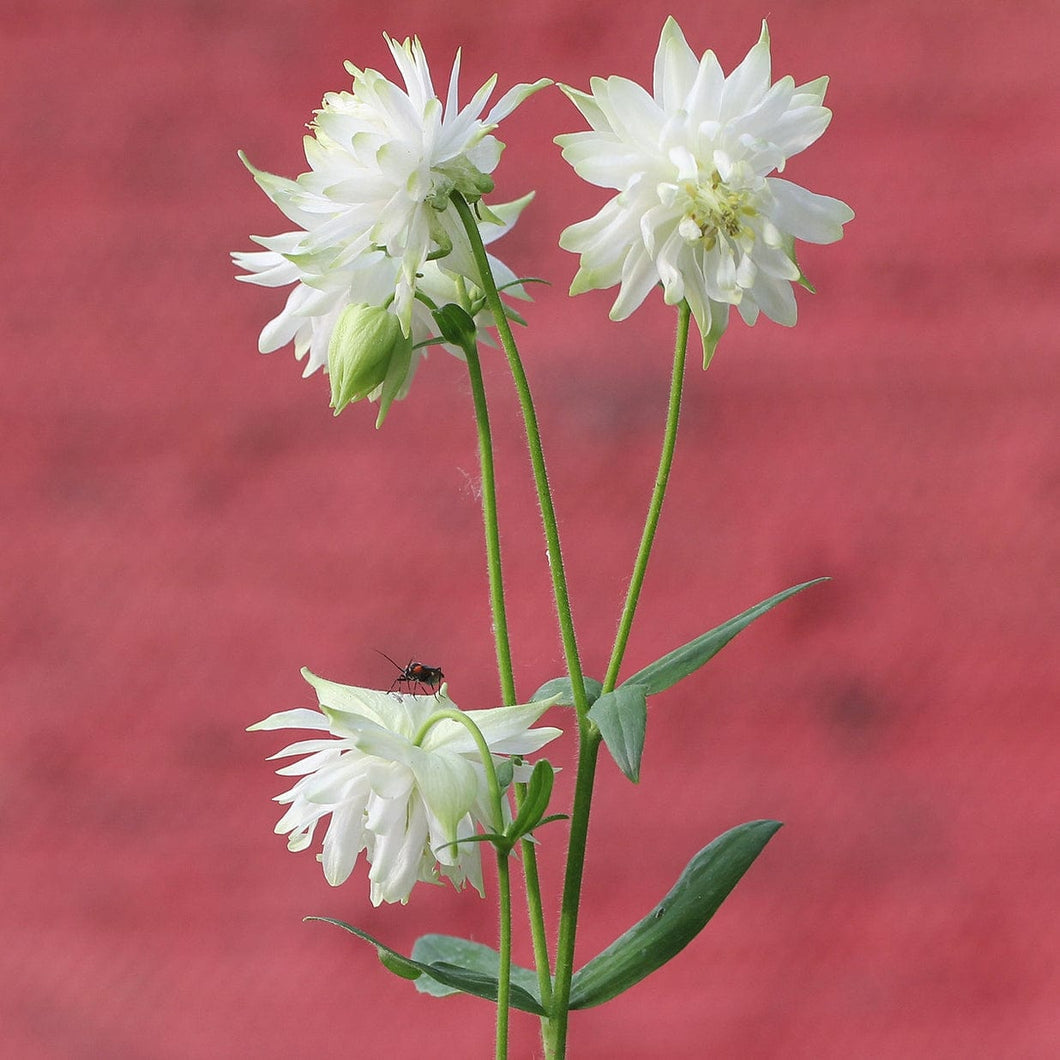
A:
x,y
705,97
366,702
495,723
776,299
299,718
512,98
344,839
607,165
590,109
675,67
447,784
807,216
639,276
636,117
398,852
748,83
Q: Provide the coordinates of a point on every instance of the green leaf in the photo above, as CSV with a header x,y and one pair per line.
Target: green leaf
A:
x,y
538,792
666,672
402,966
622,716
479,982
448,951
676,920
562,687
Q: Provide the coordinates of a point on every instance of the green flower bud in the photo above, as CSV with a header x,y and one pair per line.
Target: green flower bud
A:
x,y
367,349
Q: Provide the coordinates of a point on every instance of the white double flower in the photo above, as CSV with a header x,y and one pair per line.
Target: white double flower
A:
x,y
375,222
398,793
696,209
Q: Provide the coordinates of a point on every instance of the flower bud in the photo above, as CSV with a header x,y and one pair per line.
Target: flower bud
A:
x,y
366,343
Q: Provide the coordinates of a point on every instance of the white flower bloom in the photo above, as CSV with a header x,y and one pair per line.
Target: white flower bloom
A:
x,y
398,800
375,221
321,293
696,209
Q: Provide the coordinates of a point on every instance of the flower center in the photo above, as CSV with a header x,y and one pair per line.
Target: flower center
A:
x,y
714,207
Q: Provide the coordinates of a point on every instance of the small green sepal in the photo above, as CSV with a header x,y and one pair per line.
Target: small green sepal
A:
x,y
455,325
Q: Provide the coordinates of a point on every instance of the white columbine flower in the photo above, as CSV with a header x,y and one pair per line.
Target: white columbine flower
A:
x,y
399,800
375,220
696,209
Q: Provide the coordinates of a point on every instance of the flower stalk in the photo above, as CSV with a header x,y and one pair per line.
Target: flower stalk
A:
x,y
537,456
491,526
535,908
651,523
504,886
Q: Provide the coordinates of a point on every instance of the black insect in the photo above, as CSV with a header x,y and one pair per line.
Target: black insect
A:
x,y
415,676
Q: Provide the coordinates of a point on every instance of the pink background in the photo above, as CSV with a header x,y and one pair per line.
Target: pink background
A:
x,y
185,526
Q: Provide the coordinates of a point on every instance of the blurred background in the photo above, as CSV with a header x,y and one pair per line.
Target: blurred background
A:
x,y
185,525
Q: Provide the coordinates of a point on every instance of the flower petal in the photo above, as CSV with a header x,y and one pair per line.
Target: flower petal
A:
x,y
675,67
806,216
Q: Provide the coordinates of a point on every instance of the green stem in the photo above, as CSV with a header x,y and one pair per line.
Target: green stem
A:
x,y
588,749
536,913
505,671
666,459
590,739
537,456
504,971
490,522
535,909
588,736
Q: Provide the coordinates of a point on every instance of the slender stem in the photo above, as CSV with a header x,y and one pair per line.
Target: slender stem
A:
x,y
666,458
504,972
588,748
507,679
536,913
490,522
588,736
535,909
537,457
589,741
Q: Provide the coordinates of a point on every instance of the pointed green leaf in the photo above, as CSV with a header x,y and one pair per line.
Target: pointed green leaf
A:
x,y
535,802
622,716
676,920
458,978
451,951
402,966
561,686
666,672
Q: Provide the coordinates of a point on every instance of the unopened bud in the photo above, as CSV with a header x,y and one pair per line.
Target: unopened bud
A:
x,y
363,345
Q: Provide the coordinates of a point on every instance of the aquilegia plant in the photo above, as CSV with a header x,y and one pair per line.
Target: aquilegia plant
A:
x,y
388,258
